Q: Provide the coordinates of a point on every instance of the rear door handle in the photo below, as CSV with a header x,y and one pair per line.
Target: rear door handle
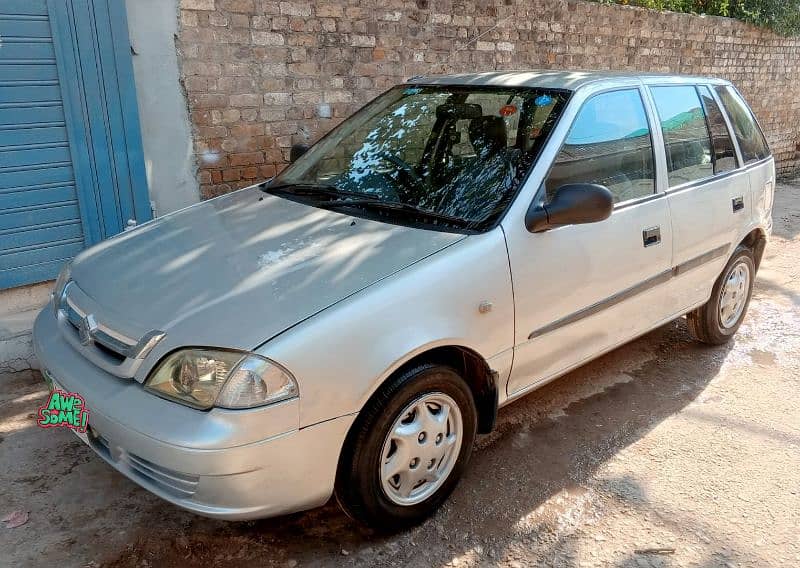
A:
x,y
651,236
738,204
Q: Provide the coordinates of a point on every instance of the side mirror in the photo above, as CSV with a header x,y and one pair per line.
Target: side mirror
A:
x,y
573,204
297,151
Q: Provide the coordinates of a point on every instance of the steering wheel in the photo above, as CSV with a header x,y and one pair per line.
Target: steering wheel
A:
x,y
411,179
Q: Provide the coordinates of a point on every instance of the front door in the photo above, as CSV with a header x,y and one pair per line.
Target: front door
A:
x,y
583,289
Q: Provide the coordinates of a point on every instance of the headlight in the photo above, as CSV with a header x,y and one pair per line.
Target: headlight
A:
x,y
203,378
61,282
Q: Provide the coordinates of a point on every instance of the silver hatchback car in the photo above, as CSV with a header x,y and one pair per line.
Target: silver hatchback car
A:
x,y
348,327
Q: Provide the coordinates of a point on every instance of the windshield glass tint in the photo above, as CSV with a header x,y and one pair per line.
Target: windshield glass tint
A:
x,y
454,152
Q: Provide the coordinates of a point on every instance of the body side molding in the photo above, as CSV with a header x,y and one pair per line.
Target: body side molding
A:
x,y
628,293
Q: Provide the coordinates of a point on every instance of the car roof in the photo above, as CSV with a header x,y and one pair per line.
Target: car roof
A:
x,y
571,80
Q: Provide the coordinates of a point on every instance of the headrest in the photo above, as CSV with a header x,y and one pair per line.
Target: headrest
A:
x,y
488,134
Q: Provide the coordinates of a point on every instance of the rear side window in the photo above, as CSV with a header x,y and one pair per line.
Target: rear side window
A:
x,y
721,143
686,139
751,140
609,144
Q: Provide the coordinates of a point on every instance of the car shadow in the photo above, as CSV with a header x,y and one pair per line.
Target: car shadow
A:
x,y
550,441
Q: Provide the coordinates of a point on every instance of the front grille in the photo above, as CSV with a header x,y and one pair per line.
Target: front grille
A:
x,y
114,357
114,352
175,483
119,347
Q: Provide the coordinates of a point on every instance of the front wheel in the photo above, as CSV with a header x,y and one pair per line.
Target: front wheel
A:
x,y
718,320
408,448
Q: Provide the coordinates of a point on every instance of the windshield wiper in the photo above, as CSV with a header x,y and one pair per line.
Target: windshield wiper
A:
x,y
315,189
407,208
360,199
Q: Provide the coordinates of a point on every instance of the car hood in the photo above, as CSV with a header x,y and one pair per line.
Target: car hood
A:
x,y
237,270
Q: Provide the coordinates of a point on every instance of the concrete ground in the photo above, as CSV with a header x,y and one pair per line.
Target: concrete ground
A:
x,y
662,453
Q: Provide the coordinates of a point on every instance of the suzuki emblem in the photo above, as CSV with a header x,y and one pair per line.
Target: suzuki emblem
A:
x,y
87,328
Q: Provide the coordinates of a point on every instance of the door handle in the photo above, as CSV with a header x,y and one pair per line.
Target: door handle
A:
x,y
651,236
738,203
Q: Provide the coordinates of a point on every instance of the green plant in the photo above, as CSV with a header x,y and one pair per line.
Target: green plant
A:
x,y
783,16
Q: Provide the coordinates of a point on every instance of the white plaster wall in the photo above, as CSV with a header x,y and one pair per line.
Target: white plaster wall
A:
x,y
166,134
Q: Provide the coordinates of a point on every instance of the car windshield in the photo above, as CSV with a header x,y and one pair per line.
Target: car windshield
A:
x,y
441,157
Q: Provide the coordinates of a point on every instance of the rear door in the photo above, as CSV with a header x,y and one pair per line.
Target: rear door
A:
x,y
708,194
583,289
755,154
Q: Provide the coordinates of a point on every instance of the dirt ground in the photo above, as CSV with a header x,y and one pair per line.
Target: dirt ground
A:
x,y
662,453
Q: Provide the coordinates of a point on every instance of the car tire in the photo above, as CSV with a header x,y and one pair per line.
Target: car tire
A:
x,y
404,427
717,320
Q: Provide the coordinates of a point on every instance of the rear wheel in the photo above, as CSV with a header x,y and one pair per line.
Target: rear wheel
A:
x,y
719,319
408,448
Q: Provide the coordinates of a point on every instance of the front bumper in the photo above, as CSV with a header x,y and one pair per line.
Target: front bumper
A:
x,y
233,465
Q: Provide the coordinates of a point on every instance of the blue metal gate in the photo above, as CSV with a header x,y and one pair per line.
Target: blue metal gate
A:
x,y
71,166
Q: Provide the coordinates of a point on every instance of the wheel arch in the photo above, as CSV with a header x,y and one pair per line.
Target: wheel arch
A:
x,y
756,241
470,365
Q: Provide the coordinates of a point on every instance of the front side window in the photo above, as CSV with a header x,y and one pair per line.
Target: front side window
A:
x,y
724,155
445,157
751,140
686,139
609,144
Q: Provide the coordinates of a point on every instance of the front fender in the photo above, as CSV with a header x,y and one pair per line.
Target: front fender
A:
x,y
343,354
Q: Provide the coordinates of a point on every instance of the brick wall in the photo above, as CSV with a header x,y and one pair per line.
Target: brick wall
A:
x,y
255,70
